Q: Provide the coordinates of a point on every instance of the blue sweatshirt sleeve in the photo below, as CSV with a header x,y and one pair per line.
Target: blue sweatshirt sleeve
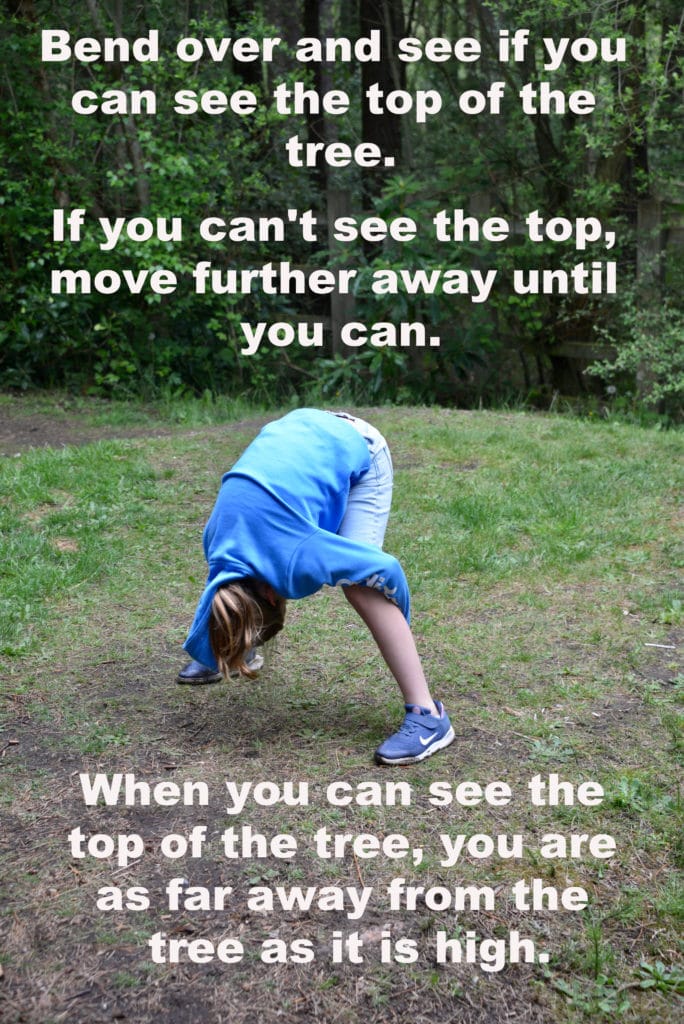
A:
x,y
326,558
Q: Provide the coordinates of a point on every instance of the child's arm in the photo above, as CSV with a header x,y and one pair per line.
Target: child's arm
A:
x,y
327,559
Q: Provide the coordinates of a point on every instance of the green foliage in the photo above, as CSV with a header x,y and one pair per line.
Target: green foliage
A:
x,y
649,342
602,999
371,376
661,977
602,165
168,165
159,166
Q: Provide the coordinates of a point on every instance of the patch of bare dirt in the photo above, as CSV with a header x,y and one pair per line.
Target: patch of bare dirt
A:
x,y
20,431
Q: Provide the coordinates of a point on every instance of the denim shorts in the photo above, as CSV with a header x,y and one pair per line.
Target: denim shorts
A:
x,y
368,506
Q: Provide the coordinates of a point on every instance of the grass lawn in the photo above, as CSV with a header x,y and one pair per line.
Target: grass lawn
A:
x,y
545,560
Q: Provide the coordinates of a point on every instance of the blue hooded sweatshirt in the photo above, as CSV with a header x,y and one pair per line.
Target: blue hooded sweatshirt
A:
x,y
277,514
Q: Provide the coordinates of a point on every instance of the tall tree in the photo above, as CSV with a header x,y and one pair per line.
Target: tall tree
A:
x,y
383,129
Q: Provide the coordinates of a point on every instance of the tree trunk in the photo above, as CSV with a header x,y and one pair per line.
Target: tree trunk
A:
x,y
385,130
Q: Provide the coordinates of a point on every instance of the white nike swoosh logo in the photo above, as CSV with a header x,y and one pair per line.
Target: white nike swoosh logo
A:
x,y
428,740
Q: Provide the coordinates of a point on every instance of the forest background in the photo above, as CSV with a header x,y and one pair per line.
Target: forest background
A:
x,y
622,164
543,552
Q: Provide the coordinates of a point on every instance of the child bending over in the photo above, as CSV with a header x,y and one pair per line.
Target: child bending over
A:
x,y
306,505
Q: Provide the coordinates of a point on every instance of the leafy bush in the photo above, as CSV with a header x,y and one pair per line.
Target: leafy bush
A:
x,y
650,356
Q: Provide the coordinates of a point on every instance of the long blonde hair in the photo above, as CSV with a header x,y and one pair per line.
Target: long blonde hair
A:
x,y
241,619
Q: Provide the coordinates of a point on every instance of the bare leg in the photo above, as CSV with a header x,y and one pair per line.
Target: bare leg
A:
x,y
394,638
